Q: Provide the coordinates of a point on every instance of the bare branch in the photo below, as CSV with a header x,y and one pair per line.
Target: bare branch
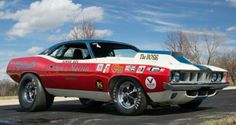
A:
x,y
228,61
185,43
213,41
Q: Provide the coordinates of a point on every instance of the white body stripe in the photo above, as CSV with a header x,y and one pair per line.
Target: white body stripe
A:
x,y
166,61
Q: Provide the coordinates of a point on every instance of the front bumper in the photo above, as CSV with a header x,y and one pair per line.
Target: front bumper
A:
x,y
194,86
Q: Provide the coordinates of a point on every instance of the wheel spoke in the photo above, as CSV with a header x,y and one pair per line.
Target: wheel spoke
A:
x,y
133,91
129,96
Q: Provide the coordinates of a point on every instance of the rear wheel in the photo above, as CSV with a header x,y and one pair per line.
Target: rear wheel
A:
x,y
32,96
191,105
129,97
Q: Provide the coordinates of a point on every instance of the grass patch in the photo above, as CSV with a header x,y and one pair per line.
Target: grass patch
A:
x,y
228,120
8,88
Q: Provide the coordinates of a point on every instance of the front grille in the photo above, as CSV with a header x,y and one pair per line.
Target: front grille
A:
x,y
203,77
196,77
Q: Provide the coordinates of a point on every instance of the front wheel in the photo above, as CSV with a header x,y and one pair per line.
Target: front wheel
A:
x,y
129,97
32,96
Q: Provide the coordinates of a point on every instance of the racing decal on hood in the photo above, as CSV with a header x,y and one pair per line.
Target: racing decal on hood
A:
x,y
203,68
149,56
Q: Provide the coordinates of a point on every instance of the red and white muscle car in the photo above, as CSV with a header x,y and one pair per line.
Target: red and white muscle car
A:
x,y
99,71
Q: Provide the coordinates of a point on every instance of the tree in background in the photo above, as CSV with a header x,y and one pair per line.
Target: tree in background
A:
x,y
186,43
228,61
213,41
197,47
83,30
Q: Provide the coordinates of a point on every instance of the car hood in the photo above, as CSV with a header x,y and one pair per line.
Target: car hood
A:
x,y
166,59
173,61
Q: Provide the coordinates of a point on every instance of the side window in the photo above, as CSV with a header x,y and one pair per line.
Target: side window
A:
x,y
76,51
54,53
125,53
58,52
71,51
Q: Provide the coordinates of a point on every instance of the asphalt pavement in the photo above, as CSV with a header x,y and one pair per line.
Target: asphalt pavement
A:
x,y
73,113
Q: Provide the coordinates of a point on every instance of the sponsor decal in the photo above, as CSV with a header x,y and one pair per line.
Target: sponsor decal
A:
x,y
73,67
155,69
99,85
150,82
20,65
117,69
130,68
70,61
149,56
107,68
80,68
140,69
99,67
67,61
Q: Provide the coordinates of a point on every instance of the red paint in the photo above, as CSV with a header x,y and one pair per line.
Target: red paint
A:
x,y
80,76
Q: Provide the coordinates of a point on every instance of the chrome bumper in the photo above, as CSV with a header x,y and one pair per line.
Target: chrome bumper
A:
x,y
194,86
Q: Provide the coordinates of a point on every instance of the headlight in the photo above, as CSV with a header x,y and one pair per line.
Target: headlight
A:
x,y
176,77
214,77
220,76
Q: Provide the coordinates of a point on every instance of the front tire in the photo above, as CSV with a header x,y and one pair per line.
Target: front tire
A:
x,y
32,96
129,97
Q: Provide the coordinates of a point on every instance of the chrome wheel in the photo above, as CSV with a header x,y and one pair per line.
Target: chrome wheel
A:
x,y
127,95
30,91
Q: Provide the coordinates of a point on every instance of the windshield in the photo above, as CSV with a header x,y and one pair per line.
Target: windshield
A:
x,y
113,50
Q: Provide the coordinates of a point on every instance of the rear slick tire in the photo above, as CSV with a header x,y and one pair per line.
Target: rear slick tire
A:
x,y
32,96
